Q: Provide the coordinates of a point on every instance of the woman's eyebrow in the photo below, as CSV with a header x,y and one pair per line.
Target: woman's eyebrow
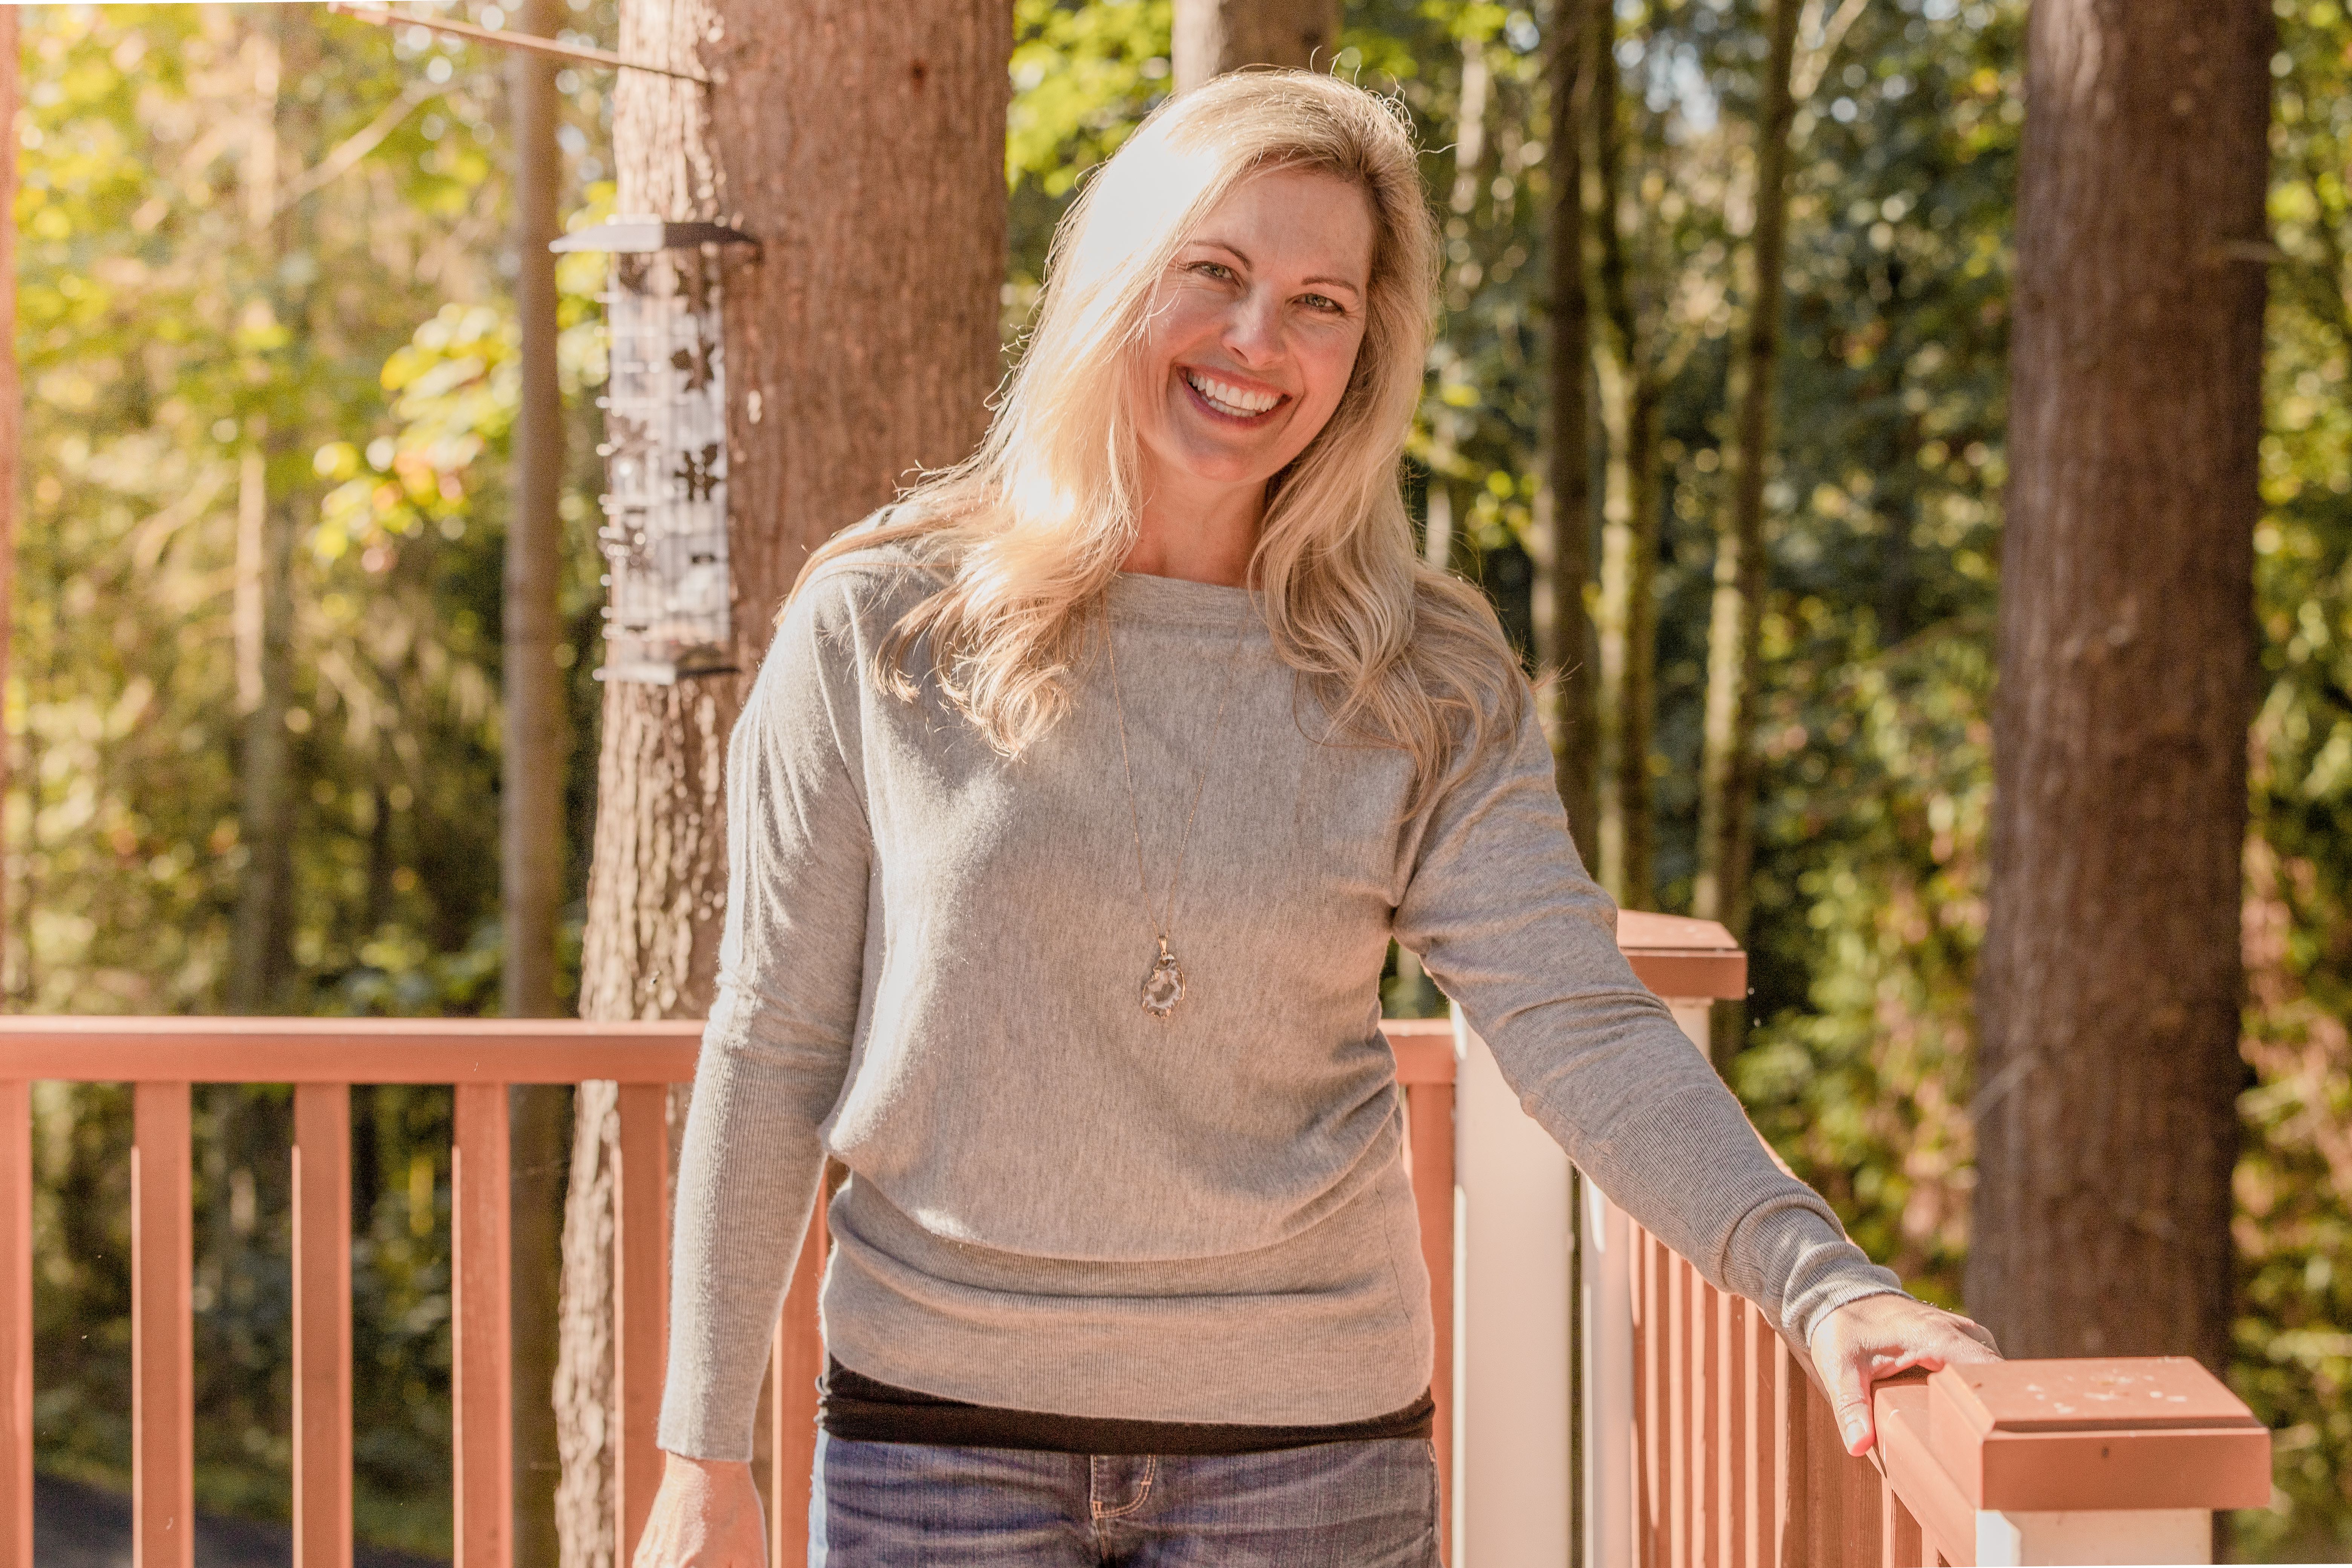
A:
x,y
1234,251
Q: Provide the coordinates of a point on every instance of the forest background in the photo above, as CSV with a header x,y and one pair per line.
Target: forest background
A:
x,y
220,352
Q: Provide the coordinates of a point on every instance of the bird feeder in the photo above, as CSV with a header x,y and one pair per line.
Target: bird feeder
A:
x,y
663,537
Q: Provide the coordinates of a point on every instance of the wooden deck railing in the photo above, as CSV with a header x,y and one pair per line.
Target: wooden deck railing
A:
x,y
163,1057
1734,1459
1739,1459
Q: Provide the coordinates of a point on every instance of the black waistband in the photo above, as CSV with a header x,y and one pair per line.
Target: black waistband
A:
x,y
856,1408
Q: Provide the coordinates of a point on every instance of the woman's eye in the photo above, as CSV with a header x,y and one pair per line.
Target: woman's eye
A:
x,y
1217,270
1323,302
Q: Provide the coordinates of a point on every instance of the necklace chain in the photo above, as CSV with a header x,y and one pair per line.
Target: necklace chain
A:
x,y
1163,928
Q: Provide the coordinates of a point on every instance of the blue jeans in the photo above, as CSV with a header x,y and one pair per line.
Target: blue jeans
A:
x,y
1335,1505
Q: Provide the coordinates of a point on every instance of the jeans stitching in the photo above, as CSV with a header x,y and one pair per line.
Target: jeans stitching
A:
x,y
1142,1493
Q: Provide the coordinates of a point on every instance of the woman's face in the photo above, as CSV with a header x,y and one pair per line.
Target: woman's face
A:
x,y
1253,332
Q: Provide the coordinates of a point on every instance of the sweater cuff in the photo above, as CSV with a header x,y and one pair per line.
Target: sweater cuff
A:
x,y
1809,1269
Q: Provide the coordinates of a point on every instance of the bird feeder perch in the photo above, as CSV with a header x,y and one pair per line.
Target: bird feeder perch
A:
x,y
665,532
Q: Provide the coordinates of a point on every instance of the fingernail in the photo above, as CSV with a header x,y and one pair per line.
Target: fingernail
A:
x,y
1853,1435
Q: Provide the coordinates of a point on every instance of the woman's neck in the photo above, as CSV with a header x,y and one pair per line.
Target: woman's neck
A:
x,y
1199,538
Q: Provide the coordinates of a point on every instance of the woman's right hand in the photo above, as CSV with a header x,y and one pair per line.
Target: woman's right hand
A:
x,y
705,1515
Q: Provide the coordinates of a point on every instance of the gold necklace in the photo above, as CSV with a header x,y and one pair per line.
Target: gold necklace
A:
x,y
1164,986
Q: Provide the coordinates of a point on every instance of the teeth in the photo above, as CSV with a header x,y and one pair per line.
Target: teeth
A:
x,y
1230,400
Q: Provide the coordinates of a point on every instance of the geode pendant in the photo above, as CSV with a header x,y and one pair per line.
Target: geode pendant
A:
x,y
1164,986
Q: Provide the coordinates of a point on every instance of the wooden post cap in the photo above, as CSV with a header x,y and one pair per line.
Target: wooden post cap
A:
x,y
1682,958
2119,1431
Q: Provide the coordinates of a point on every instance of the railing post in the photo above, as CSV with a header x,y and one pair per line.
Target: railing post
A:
x,y
15,1323
322,1325
1640,1502
2096,1460
481,1394
162,1366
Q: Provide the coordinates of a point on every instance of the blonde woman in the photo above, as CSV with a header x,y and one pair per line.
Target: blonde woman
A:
x,y
1071,818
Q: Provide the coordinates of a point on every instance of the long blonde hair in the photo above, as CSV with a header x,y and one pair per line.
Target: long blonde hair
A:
x,y
1033,526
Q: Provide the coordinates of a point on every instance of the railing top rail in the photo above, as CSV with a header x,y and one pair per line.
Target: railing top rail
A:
x,y
432,1050
346,1050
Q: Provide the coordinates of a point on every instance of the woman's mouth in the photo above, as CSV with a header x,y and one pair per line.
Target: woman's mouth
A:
x,y
1230,402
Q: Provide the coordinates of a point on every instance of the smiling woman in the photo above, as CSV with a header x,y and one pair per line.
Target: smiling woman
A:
x,y
1127,1267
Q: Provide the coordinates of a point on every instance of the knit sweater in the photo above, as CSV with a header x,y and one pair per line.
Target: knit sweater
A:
x,y
931,969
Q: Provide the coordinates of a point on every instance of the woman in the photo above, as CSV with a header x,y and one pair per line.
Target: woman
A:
x,y
1069,823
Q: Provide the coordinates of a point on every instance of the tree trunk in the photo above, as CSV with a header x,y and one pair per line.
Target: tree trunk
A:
x,y
1631,396
271,507
2111,984
531,799
1726,800
1213,37
531,689
863,146
1565,643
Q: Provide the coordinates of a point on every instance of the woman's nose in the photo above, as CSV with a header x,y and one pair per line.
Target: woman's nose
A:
x,y
1253,328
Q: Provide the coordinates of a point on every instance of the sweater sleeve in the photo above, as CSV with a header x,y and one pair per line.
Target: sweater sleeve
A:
x,y
1508,924
776,1048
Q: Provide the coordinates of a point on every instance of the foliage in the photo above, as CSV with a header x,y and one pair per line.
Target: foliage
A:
x,y
2293,1230
184,368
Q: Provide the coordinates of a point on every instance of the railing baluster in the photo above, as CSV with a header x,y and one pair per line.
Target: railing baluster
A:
x,y
1901,1542
322,1325
1731,1319
16,1324
640,1302
162,1366
1429,1111
1681,1437
1793,1508
1647,1438
481,1394
797,1362
1706,1437
1759,1475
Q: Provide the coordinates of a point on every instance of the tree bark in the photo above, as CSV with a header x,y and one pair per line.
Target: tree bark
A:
x,y
2110,990
271,511
1213,37
863,147
1632,396
1568,647
531,689
530,799
1727,801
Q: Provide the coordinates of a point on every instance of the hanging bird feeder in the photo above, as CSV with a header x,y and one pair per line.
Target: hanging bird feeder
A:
x,y
665,532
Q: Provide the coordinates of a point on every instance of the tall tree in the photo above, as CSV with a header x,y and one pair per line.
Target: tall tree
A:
x,y
1212,36
283,51
530,689
1727,811
2112,981
863,146
1632,399
1567,648
531,799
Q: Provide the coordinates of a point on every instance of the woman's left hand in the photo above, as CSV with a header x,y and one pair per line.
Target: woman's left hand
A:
x,y
1879,1336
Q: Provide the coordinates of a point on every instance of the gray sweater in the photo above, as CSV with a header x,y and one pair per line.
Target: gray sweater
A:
x,y
1056,1202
